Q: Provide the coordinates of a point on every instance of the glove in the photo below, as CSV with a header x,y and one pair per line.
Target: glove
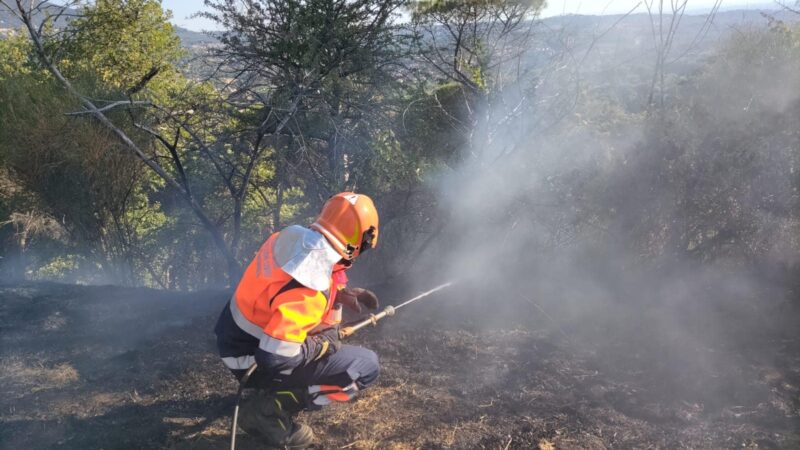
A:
x,y
332,336
353,298
323,344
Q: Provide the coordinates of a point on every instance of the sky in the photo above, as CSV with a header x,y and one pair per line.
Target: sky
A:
x,y
183,9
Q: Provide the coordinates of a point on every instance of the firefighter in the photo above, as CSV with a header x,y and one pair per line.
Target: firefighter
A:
x,y
284,317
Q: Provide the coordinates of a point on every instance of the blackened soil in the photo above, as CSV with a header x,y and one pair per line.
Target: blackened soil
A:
x,y
108,367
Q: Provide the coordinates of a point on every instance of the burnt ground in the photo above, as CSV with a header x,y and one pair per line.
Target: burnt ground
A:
x,y
107,367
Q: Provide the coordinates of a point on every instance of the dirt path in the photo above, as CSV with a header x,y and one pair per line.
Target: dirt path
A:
x,y
107,367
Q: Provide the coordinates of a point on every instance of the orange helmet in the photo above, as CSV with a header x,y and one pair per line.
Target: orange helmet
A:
x,y
350,223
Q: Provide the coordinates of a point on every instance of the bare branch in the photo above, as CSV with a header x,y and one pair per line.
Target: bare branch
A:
x,y
143,82
109,107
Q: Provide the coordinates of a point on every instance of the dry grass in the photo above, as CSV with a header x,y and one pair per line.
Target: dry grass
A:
x,y
34,375
450,387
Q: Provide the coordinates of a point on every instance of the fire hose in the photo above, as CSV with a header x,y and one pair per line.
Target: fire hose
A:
x,y
344,332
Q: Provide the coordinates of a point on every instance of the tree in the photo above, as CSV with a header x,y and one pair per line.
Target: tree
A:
x,y
303,93
665,21
128,45
715,176
482,47
323,68
474,43
48,48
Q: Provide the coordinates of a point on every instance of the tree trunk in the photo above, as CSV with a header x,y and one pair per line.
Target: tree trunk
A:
x,y
276,212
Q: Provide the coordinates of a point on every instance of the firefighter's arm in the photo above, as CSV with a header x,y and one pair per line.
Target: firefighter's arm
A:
x,y
286,343
355,298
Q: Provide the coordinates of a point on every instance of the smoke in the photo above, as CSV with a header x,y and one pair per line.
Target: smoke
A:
x,y
664,241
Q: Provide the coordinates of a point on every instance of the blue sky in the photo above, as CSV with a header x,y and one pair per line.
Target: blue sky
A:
x,y
183,9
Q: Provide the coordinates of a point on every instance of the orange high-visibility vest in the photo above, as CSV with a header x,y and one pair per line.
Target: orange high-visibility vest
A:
x,y
270,305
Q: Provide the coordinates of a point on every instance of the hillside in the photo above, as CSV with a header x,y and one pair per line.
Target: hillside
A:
x,y
617,222
9,21
633,25
108,367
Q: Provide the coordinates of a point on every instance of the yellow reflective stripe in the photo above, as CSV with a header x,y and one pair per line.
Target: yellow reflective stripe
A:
x,y
324,350
289,393
295,313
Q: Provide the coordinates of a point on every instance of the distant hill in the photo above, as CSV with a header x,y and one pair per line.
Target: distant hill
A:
x,y
724,7
722,21
636,24
191,38
9,21
622,38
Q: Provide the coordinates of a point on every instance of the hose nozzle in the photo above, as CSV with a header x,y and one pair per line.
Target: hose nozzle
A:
x,y
388,311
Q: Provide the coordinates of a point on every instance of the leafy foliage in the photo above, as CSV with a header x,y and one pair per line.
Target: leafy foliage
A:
x,y
300,99
122,42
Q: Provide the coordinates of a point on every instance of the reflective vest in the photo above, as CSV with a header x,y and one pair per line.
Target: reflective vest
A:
x,y
275,308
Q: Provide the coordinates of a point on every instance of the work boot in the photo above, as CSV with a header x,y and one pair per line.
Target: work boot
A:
x,y
268,416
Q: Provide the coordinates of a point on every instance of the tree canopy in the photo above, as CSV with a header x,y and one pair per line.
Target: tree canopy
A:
x,y
119,163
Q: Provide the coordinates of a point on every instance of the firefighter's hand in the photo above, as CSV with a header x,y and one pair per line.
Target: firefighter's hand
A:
x,y
326,343
354,298
332,336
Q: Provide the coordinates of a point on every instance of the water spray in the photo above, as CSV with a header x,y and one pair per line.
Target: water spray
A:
x,y
344,332
387,312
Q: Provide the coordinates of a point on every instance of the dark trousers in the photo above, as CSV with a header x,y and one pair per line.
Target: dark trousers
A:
x,y
350,364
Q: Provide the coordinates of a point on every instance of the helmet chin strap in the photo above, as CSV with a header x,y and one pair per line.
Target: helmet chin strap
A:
x,y
366,243
367,239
